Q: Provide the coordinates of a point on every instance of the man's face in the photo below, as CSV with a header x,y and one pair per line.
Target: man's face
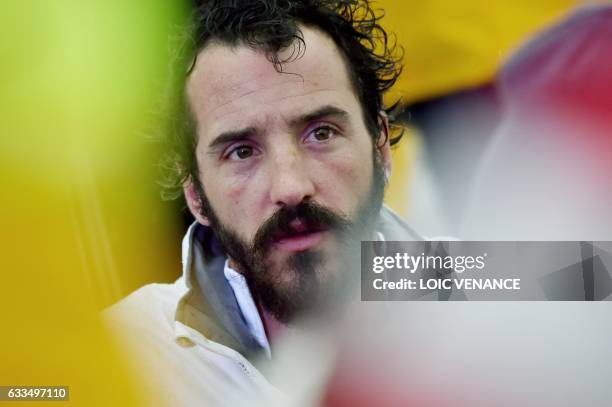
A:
x,y
286,165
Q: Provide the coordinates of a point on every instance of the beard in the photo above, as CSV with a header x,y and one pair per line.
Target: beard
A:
x,y
305,280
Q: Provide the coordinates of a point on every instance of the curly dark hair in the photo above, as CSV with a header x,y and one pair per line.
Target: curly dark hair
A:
x,y
373,61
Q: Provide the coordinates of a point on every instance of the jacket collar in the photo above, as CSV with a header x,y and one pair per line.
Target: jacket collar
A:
x,y
208,303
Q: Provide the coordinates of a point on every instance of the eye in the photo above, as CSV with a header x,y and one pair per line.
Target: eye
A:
x,y
240,153
321,134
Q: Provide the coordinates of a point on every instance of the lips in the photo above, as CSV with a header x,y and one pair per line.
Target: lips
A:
x,y
299,236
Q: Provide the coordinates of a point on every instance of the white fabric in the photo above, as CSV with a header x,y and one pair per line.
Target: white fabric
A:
x,y
247,305
178,365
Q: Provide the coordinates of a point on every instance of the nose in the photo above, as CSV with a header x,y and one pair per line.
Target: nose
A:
x,y
290,179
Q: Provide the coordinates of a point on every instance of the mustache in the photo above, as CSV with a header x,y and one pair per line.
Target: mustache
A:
x,y
312,214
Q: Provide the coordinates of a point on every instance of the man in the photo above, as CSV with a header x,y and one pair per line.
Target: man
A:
x,y
281,145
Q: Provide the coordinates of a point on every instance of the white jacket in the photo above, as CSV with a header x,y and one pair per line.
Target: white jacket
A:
x,y
186,346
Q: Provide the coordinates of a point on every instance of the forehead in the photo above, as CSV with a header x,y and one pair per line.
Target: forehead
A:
x,y
238,80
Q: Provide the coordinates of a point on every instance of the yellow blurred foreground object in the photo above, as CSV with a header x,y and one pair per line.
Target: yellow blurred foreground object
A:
x,y
79,204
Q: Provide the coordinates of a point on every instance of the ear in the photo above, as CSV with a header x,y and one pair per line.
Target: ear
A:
x,y
383,144
194,202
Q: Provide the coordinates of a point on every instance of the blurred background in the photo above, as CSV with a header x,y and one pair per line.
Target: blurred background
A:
x,y
508,138
472,71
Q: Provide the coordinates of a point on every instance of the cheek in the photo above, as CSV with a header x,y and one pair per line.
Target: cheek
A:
x,y
236,200
344,179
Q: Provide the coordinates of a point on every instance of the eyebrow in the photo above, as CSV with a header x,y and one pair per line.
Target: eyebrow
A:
x,y
241,134
230,136
320,113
